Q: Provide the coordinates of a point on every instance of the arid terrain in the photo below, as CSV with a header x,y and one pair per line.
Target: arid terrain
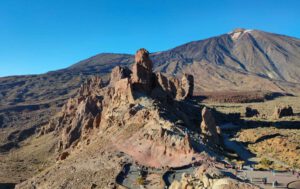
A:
x,y
216,113
265,136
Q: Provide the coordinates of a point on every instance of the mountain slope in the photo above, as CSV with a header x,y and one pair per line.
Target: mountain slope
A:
x,y
255,52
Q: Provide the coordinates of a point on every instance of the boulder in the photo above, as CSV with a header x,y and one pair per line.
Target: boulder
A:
x,y
142,76
208,127
63,156
283,111
250,112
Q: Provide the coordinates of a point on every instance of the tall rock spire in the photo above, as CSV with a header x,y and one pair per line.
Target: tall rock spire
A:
x,y
142,71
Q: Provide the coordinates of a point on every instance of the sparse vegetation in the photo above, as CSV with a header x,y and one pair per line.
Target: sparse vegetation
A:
x,y
140,181
266,162
270,137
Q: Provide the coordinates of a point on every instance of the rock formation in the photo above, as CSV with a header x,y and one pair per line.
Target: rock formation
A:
x,y
250,112
90,85
283,111
98,108
173,87
209,128
150,129
79,115
186,87
142,76
119,73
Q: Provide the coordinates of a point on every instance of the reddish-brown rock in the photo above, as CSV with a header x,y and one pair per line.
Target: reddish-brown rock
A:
x,y
209,128
98,108
172,87
165,86
186,87
142,76
90,85
79,115
63,155
119,73
123,93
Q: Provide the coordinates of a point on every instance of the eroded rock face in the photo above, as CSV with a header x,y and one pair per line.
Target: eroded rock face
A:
x,y
142,76
209,128
81,122
79,115
173,87
90,86
283,111
165,87
123,93
119,73
85,104
186,87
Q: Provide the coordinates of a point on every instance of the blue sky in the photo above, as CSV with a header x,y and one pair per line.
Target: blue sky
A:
x,y
37,36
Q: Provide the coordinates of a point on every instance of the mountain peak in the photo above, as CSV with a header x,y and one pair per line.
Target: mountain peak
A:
x,y
238,32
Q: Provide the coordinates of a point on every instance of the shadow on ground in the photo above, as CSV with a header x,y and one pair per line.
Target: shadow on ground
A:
x,y
7,185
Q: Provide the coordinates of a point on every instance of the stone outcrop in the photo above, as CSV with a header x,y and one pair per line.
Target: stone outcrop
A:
x,y
165,87
75,112
123,93
250,112
79,115
119,73
90,86
186,87
97,108
209,129
283,111
142,76
173,87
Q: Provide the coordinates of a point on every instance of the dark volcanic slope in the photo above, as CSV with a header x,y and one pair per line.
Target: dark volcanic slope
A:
x,y
242,60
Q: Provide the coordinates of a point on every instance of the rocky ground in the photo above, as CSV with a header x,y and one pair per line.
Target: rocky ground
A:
x,y
273,140
273,144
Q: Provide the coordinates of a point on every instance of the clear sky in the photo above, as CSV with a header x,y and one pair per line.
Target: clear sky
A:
x,y
37,36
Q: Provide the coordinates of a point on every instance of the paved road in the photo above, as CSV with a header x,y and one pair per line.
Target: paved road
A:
x,y
130,174
294,185
283,178
170,176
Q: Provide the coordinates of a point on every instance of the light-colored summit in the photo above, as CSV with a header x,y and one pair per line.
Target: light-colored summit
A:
x,y
237,33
